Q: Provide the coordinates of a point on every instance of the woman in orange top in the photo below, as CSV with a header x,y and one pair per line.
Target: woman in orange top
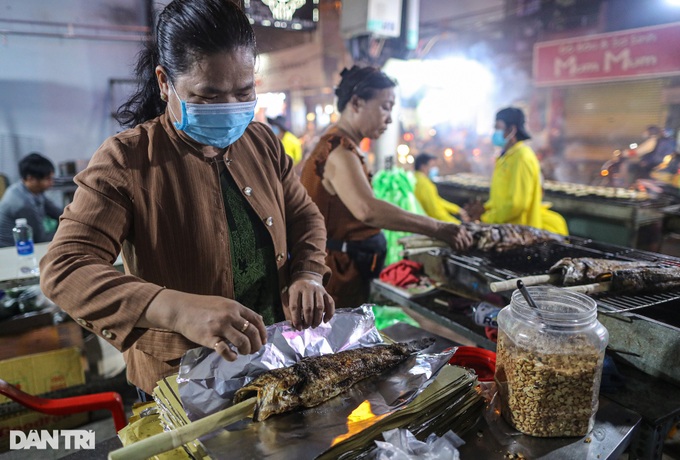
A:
x,y
337,179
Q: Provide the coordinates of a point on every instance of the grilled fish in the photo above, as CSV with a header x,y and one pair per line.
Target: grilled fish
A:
x,y
586,270
314,380
504,237
645,280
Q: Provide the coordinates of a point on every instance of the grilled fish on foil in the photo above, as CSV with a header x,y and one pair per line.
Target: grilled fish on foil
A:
x,y
585,270
314,380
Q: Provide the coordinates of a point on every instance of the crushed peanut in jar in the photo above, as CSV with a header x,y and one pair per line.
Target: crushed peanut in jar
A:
x,y
551,393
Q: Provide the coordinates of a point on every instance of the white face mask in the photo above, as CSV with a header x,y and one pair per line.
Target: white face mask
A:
x,y
433,173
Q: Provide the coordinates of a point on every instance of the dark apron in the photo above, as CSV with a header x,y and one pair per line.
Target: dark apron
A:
x,y
368,254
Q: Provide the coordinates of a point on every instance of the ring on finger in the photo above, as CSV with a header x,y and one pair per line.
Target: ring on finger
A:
x,y
245,326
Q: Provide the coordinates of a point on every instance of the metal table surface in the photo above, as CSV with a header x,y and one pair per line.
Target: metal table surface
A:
x,y
613,431
462,325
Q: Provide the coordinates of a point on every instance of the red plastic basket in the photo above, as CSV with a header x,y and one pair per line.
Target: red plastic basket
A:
x,y
482,361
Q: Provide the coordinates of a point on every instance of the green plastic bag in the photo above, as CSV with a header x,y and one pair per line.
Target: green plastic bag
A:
x,y
386,316
396,186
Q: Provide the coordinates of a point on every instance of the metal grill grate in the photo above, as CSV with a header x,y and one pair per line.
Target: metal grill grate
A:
x,y
538,259
625,303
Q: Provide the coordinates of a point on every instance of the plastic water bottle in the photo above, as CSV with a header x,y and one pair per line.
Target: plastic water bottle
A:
x,y
23,239
484,314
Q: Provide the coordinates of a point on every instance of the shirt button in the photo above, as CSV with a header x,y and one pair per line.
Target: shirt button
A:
x,y
248,191
269,221
107,334
279,257
83,323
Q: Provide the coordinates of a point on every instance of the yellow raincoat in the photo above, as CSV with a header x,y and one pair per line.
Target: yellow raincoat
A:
x,y
292,146
434,205
516,194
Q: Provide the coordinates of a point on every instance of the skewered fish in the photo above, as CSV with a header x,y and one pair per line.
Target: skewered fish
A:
x,y
503,237
634,281
314,380
585,270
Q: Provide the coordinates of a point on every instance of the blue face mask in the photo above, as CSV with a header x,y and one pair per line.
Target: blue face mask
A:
x,y
219,125
433,173
498,138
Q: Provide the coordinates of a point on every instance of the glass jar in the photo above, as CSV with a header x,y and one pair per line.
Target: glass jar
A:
x,y
549,362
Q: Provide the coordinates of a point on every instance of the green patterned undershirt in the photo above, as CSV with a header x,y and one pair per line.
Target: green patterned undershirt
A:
x,y
252,255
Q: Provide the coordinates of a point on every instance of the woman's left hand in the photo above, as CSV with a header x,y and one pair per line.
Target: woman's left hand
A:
x,y
308,301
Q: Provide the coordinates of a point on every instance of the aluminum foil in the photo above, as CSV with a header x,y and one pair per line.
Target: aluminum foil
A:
x,y
207,382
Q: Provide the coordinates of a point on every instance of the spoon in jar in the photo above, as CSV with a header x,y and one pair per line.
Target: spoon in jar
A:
x,y
529,299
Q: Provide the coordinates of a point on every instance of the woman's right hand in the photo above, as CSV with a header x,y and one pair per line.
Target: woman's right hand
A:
x,y
211,321
455,236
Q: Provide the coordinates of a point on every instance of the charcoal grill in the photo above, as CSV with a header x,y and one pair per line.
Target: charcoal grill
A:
x,y
645,328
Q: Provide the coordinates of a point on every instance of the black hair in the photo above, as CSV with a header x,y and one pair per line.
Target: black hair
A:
x,y
35,165
512,116
186,30
422,160
364,82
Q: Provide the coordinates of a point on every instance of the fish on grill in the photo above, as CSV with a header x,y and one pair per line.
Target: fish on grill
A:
x,y
317,379
635,281
504,237
586,270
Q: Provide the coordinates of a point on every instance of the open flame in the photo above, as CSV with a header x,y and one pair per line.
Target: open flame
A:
x,y
361,418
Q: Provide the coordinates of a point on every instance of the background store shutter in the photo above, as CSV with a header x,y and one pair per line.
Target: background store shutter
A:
x,y
601,118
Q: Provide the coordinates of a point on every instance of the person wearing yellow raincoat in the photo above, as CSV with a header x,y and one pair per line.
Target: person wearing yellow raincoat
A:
x,y
516,192
291,144
426,192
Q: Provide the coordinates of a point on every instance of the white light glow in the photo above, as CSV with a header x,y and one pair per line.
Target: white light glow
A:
x,y
410,159
328,109
457,91
273,103
673,2
322,117
403,149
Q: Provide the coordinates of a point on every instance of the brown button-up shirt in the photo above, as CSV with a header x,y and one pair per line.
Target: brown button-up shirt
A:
x,y
150,192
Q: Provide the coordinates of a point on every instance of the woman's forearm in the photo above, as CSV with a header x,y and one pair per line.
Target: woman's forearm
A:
x,y
382,214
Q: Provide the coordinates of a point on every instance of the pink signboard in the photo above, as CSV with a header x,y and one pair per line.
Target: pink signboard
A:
x,y
633,53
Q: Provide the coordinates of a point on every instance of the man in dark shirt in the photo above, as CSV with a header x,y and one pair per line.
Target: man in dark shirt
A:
x,y
27,199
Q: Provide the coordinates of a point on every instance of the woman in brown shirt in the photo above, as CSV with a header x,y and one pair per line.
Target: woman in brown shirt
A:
x,y
337,179
215,229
